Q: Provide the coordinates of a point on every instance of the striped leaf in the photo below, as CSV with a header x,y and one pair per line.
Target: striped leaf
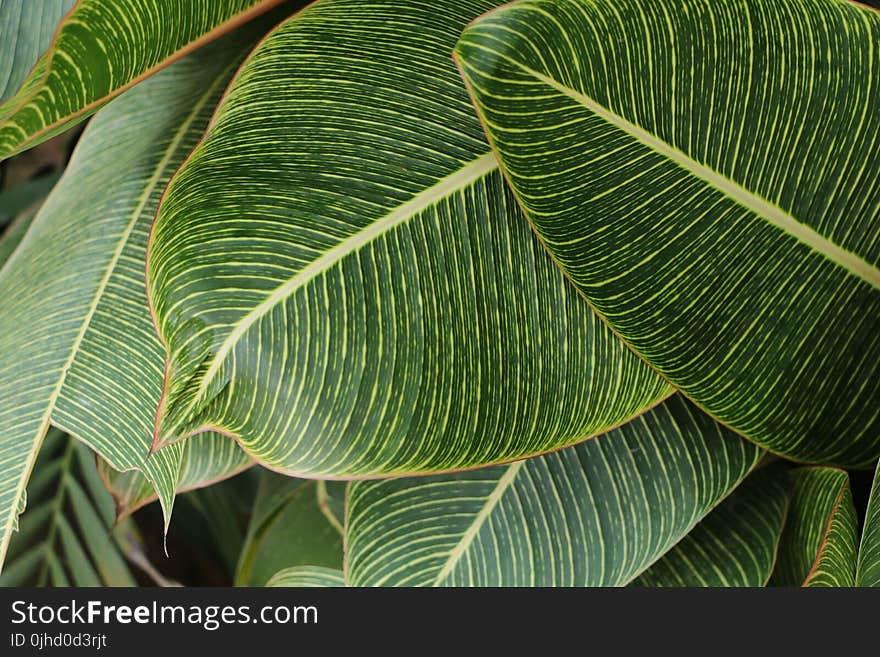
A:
x,y
101,48
65,536
77,346
735,545
26,28
597,514
289,528
203,461
868,566
818,546
345,284
307,577
705,171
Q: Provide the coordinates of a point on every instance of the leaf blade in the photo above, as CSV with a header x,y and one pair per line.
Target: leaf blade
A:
x,y
76,76
205,460
91,361
597,514
27,28
736,544
818,545
698,240
404,261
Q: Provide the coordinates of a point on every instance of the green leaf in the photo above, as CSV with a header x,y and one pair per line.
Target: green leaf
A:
x,y
818,546
27,28
102,48
204,460
735,545
65,536
868,566
345,283
77,345
720,212
307,577
82,570
597,514
288,528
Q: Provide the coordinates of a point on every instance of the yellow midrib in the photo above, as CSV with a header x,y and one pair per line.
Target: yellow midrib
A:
x,y
757,204
464,176
479,520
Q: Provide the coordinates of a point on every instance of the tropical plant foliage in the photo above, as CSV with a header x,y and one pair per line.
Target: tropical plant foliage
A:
x,y
69,535
573,292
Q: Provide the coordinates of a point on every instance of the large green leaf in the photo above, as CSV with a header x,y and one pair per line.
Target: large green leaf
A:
x,y
65,536
705,171
818,546
288,528
597,514
868,565
103,47
345,284
735,545
77,346
26,28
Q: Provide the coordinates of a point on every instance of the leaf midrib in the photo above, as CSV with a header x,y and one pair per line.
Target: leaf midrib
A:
x,y
771,212
470,534
463,177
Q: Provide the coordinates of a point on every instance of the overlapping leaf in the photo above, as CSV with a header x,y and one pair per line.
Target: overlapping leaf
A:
x,y
26,29
204,460
819,543
735,545
344,282
597,514
705,171
100,49
77,345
